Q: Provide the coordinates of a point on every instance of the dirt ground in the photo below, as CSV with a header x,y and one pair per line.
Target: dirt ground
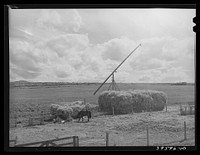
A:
x,y
165,129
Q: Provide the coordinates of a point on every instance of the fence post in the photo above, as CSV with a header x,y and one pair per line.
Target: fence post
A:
x,y
15,140
180,109
30,122
185,110
191,108
147,136
41,120
185,136
107,138
132,109
75,141
113,109
15,121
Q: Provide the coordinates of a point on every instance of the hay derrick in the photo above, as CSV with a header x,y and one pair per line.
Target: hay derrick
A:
x,y
132,101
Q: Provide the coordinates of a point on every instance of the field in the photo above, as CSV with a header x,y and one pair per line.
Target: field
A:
x,y
164,127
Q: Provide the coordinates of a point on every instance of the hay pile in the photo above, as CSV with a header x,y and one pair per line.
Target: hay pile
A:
x,y
125,102
68,110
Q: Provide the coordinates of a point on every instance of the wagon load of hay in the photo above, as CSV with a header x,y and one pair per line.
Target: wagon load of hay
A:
x,y
68,110
124,102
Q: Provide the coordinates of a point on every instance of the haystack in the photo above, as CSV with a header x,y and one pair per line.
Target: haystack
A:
x,y
68,110
125,102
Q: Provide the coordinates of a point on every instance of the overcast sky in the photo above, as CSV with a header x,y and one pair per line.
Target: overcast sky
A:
x,y
86,45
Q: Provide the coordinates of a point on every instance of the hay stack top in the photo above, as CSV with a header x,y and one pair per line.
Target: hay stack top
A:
x,y
125,102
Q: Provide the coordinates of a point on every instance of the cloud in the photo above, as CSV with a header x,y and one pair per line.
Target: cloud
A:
x,y
55,46
61,74
72,57
65,44
117,49
67,20
22,56
153,63
176,74
137,24
144,79
23,73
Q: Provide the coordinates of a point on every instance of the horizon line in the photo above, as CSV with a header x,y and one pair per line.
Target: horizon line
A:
x,y
90,82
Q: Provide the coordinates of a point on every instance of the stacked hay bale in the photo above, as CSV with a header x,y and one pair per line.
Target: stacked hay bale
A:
x,y
69,110
125,102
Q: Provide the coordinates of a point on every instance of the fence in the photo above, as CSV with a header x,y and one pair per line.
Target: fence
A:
x,y
32,120
107,140
187,109
50,143
147,139
13,121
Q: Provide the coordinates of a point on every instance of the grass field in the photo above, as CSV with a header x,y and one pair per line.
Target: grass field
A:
x,y
31,101
176,93
26,102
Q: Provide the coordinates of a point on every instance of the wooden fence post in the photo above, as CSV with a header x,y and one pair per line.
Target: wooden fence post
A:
x,y
30,122
107,138
185,110
113,109
75,141
185,136
180,109
132,109
147,136
41,120
15,121
191,108
15,140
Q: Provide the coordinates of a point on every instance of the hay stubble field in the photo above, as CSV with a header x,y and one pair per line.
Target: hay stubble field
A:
x,y
165,128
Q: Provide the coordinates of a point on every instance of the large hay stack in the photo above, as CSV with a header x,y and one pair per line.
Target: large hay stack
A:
x,y
69,110
125,102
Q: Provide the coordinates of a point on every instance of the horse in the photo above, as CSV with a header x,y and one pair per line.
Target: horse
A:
x,y
83,113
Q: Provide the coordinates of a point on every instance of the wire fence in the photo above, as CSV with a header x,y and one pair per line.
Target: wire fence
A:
x,y
31,120
146,134
157,135
150,135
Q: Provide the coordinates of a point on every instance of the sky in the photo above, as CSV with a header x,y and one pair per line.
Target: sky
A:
x,y
86,45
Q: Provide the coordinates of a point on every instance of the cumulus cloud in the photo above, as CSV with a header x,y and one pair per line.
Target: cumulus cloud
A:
x,y
67,20
144,79
23,59
165,53
64,44
54,47
116,49
61,74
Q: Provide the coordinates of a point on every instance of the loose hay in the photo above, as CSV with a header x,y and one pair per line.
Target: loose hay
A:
x,y
132,101
68,110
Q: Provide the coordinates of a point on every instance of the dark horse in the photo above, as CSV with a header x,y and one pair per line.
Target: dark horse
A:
x,y
83,113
